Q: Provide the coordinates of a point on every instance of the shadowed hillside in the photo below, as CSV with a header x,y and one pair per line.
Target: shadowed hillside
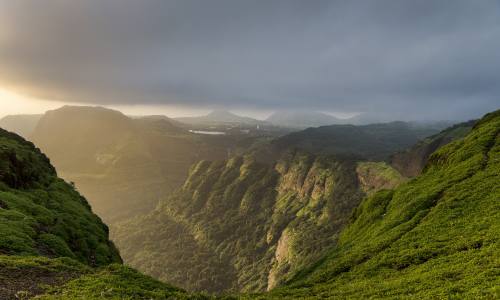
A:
x,y
368,142
124,165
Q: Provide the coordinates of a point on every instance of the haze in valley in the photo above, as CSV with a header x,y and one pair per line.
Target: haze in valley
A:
x,y
231,149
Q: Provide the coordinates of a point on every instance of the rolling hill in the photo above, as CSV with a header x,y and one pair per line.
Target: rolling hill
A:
x,y
369,142
124,165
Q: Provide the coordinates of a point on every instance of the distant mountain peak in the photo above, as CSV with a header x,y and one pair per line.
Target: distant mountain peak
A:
x,y
222,113
220,116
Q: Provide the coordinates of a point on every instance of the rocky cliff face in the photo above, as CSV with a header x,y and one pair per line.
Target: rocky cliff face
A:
x,y
436,236
375,176
244,225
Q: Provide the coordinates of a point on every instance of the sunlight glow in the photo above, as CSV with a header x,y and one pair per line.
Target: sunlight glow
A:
x,y
12,103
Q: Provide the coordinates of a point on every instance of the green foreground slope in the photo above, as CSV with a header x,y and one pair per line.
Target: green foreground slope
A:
x,y
437,236
41,214
412,161
50,241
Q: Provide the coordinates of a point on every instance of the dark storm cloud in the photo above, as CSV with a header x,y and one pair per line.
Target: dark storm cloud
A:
x,y
426,59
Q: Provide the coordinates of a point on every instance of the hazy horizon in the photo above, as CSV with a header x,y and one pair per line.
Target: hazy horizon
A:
x,y
35,107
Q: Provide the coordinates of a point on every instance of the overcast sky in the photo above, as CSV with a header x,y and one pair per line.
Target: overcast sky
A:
x,y
403,59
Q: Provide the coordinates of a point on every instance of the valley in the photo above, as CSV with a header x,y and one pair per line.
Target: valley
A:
x,y
249,150
245,213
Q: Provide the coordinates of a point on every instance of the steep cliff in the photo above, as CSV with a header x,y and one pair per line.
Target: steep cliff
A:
x,y
436,236
243,225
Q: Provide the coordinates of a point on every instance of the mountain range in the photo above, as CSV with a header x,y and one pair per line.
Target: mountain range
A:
x,y
122,164
308,222
218,117
301,120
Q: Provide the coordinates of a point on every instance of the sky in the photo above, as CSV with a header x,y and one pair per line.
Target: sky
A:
x,y
397,59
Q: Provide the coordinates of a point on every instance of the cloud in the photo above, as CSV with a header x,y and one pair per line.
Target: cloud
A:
x,y
401,58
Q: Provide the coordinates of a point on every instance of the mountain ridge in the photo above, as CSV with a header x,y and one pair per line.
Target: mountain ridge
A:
x,y
435,236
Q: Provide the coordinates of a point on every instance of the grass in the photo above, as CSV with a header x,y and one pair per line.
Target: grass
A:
x,y
437,236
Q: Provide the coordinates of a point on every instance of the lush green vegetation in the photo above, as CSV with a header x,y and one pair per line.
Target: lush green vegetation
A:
x,y
26,277
116,282
41,214
437,236
244,225
410,162
374,142
374,176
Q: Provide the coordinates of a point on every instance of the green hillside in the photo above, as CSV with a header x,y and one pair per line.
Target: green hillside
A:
x,y
243,225
41,214
368,142
299,225
411,162
437,236
51,242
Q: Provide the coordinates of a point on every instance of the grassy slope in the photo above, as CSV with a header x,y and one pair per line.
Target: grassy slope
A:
x,y
244,225
41,214
436,236
50,239
411,162
116,282
22,277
